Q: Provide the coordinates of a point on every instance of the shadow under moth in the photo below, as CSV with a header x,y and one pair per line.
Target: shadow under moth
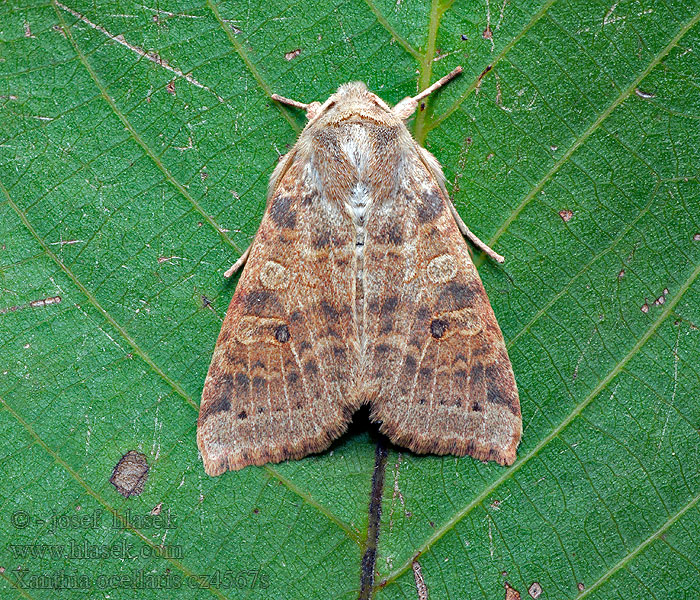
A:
x,y
358,288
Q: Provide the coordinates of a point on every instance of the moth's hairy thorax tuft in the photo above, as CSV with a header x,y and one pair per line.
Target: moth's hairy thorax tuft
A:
x,y
353,151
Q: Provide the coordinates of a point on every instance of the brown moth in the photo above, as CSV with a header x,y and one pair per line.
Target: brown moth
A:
x,y
358,288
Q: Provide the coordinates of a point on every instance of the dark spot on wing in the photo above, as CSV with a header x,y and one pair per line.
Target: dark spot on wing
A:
x,y
223,390
386,314
415,341
329,311
430,206
308,197
476,374
282,334
423,314
243,415
480,350
409,366
382,349
310,367
261,303
391,233
258,385
455,295
321,240
499,389
438,327
281,213
219,404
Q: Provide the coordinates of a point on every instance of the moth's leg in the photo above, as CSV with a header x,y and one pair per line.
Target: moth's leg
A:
x,y
466,232
311,108
238,264
407,106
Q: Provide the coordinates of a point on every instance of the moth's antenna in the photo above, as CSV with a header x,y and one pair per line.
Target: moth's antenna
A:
x,y
407,106
311,108
438,84
289,101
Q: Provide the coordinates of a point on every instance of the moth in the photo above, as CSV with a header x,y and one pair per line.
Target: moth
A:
x,y
358,288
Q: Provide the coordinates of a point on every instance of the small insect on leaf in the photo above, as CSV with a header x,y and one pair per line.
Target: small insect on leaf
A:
x,y
358,289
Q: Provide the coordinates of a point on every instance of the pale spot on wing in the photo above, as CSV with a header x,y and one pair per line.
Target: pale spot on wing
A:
x,y
442,268
274,276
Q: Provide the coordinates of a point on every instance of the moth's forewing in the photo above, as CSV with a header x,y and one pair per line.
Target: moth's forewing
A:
x,y
278,385
438,370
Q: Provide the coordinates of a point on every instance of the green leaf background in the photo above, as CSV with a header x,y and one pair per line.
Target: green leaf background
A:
x,y
136,141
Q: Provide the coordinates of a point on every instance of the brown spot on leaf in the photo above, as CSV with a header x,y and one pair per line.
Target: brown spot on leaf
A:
x,y
293,54
645,307
696,237
566,215
170,88
535,590
130,474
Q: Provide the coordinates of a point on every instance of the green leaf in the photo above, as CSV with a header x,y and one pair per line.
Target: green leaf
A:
x,y
136,141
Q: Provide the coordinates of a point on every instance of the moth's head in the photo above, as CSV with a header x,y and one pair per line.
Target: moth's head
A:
x,y
352,101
